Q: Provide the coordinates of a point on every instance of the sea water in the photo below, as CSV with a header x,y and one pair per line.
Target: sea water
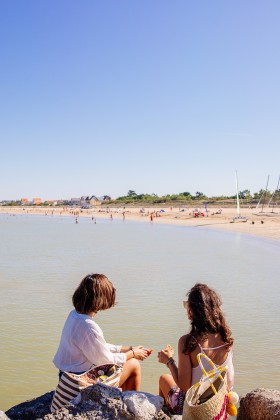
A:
x,y
43,258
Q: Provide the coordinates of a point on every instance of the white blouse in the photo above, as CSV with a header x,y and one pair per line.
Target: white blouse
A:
x,y
83,345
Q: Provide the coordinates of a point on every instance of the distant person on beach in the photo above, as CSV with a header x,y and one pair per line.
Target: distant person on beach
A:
x,y
209,334
82,343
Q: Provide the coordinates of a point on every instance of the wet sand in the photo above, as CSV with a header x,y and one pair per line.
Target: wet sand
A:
x,y
264,224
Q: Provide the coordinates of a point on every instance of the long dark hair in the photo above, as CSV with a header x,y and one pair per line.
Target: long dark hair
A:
x,y
206,317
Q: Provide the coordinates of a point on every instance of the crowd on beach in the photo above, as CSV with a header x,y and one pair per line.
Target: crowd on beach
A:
x,y
83,347
258,223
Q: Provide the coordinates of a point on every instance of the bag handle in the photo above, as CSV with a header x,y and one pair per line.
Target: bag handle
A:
x,y
212,373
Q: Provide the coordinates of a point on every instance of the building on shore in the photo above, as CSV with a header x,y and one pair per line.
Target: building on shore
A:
x,y
36,201
75,202
94,201
89,201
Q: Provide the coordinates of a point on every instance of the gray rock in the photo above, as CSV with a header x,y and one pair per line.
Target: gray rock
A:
x,y
143,405
260,404
98,402
32,409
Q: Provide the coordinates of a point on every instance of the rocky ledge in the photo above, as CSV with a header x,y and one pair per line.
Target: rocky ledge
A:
x,y
98,402
101,402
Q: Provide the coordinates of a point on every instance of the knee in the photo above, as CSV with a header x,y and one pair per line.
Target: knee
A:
x,y
163,379
135,366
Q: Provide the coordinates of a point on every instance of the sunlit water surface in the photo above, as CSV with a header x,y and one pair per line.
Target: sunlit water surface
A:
x,y
44,258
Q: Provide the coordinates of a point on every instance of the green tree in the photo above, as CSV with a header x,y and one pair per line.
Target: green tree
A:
x,y
245,194
257,195
131,193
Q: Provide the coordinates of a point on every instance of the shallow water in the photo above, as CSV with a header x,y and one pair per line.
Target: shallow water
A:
x,y
43,258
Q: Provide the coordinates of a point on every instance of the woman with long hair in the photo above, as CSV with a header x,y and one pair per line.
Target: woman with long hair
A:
x,y
209,334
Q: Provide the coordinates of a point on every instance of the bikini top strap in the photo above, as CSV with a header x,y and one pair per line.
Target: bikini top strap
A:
x,y
213,348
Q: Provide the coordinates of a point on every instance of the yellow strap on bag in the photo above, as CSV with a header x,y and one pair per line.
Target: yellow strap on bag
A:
x,y
206,399
206,381
212,373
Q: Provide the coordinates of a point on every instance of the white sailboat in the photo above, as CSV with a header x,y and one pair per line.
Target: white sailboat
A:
x,y
238,218
277,189
263,194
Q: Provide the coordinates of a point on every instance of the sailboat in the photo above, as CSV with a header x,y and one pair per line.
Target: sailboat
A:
x,y
277,189
263,194
238,218
268,213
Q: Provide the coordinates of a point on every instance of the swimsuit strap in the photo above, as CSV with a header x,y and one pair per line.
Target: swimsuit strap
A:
x,y
212,348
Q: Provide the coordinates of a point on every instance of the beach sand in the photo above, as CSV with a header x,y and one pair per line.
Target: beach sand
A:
x,y
264,224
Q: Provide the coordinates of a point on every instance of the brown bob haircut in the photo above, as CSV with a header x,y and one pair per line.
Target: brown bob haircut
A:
x,y
94,293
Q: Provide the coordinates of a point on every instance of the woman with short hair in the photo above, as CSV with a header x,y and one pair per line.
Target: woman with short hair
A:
x,y
82,343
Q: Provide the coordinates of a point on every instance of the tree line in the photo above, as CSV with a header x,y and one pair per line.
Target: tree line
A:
x,y
183,198
186,196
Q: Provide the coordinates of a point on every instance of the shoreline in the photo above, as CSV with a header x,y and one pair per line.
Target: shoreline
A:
x,y
258,224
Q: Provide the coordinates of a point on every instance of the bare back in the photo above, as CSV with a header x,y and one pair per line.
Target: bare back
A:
x,y
213,347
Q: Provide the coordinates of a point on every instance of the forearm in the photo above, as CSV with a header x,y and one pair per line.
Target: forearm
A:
x,y
99,352
129,352
137,352
171,364
182,381
118,349
125,349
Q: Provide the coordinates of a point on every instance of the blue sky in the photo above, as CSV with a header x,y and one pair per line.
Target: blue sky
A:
x,y
99,97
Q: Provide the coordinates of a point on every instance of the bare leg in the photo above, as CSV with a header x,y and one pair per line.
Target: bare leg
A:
x,y
131,376
166,382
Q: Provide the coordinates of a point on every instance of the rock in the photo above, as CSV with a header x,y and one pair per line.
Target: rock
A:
x,y
32,409
260,404
98,402
101,402
143,405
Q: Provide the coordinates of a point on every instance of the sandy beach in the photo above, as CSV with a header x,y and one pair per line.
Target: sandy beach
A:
x,y
259,223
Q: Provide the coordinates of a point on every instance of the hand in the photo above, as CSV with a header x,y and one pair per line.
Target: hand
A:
x,y
170,348
165,354
149,351
140,353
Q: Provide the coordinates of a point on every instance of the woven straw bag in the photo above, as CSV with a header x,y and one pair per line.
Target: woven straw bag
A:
x,y
207,400
70,384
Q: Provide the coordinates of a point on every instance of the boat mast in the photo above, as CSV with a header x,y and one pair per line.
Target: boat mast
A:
x,y
273,195
257,206
237,195
265,193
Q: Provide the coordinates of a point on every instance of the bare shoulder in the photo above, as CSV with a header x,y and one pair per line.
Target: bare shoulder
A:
x,y
182,341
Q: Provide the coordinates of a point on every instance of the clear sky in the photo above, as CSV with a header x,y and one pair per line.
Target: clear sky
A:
x,y
102,96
